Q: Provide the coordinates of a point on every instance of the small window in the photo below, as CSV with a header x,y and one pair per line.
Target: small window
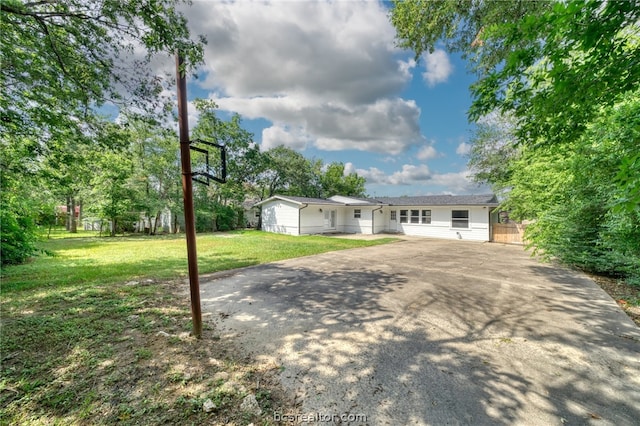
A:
x,y
460,219
256,214
415,216
357,213
393,215
403,216
426,217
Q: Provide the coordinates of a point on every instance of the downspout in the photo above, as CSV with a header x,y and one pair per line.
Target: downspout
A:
x,y
300,219
373,216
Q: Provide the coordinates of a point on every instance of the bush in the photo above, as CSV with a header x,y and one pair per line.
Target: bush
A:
x,y
226,218
18,235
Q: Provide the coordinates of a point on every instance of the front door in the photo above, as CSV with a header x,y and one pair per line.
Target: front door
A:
x,y
329,219
393,221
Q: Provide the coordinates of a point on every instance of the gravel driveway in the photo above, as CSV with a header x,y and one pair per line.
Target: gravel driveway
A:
x,y
431,332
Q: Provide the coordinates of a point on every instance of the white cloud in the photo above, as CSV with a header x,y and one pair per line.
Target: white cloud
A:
x,y
349,168
421,176
427,152
276,135
333,78
463,148
438,68
385,126
410,174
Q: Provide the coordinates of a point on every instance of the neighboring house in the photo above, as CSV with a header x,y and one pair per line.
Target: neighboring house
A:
x,y
251,213
466,217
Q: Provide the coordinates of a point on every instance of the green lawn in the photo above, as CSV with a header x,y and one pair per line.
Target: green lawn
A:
x,y
102,260
80,331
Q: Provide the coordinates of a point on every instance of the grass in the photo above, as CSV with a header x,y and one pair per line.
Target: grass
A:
x,y
81,341
106,260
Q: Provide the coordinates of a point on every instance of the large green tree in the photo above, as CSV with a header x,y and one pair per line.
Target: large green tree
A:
x,y
567,75
61,60
552,65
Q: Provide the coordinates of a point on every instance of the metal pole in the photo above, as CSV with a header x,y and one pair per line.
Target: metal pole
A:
x,y
187,191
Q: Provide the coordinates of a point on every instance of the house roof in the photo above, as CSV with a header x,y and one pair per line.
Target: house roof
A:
x,y
440,200
300,200
428,200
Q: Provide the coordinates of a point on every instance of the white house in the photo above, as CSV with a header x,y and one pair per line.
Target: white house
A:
x,y
440,216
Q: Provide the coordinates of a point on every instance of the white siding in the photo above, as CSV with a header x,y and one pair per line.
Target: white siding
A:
x,y
440,226
353,225
380,220
311,220
280,217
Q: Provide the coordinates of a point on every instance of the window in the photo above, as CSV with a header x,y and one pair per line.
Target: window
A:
x,y
393,215
460,219
403,216
415,216
357,213
426,216
256,214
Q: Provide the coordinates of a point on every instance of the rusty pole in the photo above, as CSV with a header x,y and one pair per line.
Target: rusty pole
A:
x,y
187,192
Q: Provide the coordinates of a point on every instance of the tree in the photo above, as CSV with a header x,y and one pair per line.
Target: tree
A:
x,y
335,182
552,66
112,198
288,172
242,152
61,60
155,176
573,196
494,148
569,75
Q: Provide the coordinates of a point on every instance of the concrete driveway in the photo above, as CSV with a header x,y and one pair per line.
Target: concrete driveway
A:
x,y
431,332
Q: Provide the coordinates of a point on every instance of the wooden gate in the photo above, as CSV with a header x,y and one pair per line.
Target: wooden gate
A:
x,y
507,233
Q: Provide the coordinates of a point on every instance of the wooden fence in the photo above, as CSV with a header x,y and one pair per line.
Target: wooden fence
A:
x,y
508,233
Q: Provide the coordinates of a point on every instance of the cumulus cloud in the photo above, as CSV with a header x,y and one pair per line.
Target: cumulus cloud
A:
x,y
438,68
427,152
277,135
333,79
463,148
385,126
450,183
410,174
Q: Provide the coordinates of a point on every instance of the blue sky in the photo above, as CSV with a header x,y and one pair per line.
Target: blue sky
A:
x,y
326,80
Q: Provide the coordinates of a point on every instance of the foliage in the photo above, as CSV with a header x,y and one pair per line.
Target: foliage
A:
x,y
335,182
60,61
288,172
560,81
61,58
18,233
493,149
22,200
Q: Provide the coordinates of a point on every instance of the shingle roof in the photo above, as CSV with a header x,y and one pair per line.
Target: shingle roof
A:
x,y
427,200
302,200
308,200
440,200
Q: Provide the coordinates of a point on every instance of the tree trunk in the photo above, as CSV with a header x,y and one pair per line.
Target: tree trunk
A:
x,y
174,217
68,218
113,226
155,225
74,221
80,213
